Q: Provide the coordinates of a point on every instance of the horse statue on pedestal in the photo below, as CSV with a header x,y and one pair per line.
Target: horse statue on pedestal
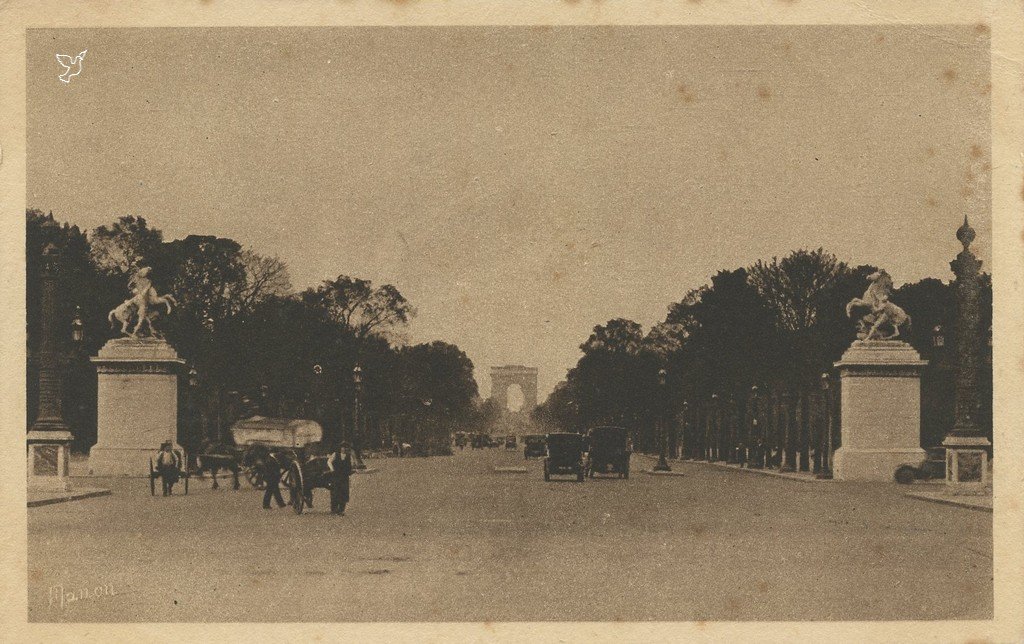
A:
x,y
141,305
881,312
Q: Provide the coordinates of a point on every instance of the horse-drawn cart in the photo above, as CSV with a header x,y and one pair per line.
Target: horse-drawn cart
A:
x,y
252,437
182,472
295,446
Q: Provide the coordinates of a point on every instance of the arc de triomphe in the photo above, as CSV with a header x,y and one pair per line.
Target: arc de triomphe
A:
x,y
505,376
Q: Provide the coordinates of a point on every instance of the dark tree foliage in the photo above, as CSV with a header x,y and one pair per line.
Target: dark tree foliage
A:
x,y
252,341
778,324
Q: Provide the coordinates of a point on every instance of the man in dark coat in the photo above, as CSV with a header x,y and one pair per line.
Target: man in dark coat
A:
x,y
339,470
272,477
168,467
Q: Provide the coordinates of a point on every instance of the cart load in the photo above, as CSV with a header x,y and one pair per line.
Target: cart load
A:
x,y
276,432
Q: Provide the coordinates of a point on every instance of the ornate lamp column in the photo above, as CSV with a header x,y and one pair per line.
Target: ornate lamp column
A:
x,y
49,438
966,448
357,381
662,465
828,452
755,433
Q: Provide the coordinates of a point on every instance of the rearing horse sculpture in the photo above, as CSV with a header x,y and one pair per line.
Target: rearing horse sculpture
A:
x,y
142,304
881,310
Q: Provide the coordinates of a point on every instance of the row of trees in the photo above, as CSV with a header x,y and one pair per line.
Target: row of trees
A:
x,y
252,341
778,325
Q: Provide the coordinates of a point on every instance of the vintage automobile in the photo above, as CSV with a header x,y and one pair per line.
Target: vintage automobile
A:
x,y
534,445
510,442
608,452
933,467
564,455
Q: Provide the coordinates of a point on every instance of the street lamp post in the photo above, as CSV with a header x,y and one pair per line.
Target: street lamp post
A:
x,y
357,382
966,447
662,465
317,373
49,438
193,384
684,433
264,400
826,394
77,327
755,437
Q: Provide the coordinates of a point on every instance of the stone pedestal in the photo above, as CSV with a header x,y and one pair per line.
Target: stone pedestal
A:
x,y
137,407
881,410
966,464
49,455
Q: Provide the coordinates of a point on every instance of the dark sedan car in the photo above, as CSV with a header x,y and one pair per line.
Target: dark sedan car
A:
x,y
534,446
565,455
609,451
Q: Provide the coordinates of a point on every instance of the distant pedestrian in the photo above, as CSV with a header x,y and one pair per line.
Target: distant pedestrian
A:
x,y
271,469
168,467
339,466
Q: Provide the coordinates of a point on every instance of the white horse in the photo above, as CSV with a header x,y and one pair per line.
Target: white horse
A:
x,y
145,303
881,310
142,304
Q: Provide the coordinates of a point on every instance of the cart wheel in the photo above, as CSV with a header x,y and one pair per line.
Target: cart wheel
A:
x,y
152,478
296,486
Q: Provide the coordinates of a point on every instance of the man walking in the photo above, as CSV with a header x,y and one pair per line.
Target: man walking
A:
x,y
168,467
272,477
339,466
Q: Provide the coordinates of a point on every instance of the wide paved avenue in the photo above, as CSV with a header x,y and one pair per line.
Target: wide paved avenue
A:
x,y
450,538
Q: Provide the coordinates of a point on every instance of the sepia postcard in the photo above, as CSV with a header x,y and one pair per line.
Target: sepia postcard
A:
x,y
537,321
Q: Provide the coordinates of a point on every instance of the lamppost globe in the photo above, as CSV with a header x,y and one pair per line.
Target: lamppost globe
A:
x,y
317,370
77,327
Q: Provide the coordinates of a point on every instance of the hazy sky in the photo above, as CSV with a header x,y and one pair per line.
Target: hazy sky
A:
x,y
520,185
